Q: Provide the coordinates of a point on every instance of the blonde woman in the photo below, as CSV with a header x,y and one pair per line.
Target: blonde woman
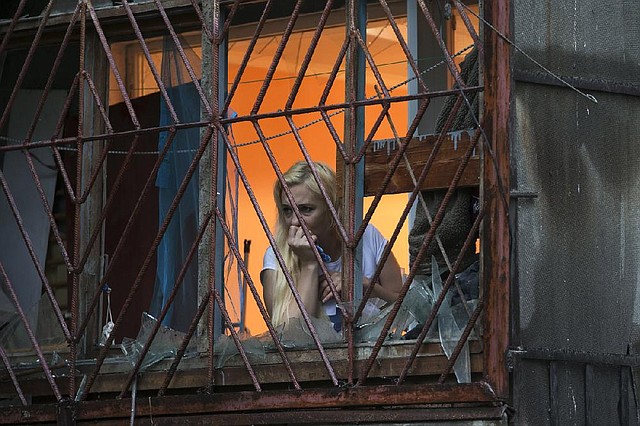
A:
x,y
300,259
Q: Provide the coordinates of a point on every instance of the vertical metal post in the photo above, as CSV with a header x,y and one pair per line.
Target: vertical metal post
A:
x,y
353,188
212,172
204,185
496,180
97,67
220,72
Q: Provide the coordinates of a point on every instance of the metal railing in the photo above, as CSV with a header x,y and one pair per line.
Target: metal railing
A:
x,y
83,178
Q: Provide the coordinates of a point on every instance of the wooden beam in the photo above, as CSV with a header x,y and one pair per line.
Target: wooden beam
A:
x,y
495,235
192,374
424,397
380,154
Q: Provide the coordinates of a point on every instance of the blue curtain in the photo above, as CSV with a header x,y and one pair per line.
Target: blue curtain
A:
x,y
183,227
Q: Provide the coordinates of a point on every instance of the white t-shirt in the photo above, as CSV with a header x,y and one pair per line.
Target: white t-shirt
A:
x,y
372,247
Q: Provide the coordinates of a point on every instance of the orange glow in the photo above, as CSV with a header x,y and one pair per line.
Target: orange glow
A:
x,y
316,137
313,132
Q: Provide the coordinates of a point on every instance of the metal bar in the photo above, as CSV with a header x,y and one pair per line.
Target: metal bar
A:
x,y
56,152
253,402
217,182
129,226
372,131
366,55
48,212
245,259
103,113
436,306
75,278
393,164
93,178
421,252
353,182
111,199
332,209
205,28
424,206
234,334
14,21
334,74
358,416
261,306
174,291
247,55
152,66
467,23
183,347
404,415
404,46
183,56
89,203
12,375
224,32
407,208
276,57
112,64
307,57
325,94
286,272
412,197
25,322
334,135
54,69
183,185
27,63
365,396
453,69
495,236
32,254
461,342
265,226
238,119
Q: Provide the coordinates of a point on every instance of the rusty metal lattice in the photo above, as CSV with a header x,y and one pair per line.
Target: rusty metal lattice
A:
x,y
81,156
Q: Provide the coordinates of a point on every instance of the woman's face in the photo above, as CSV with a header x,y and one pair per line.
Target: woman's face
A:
x,y
312,208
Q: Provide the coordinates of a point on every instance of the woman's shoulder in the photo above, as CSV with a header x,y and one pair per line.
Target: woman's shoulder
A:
x,y
371,232
373,240
269,259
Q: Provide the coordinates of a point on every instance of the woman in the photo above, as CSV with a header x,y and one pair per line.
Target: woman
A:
x,y
300,259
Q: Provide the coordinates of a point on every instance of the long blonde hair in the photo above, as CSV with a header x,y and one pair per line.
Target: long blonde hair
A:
x,y
298,174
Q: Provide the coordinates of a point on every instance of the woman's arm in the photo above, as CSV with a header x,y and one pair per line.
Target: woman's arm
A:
x,y
390,282
307,287
387,289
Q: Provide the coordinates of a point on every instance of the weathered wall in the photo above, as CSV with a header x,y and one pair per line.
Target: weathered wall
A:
x,y
578,242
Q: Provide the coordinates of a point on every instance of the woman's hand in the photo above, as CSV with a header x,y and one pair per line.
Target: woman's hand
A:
x,y
325,290
300,244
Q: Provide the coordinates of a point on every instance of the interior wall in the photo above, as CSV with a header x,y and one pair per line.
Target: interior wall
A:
x,y
14,253
314,133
